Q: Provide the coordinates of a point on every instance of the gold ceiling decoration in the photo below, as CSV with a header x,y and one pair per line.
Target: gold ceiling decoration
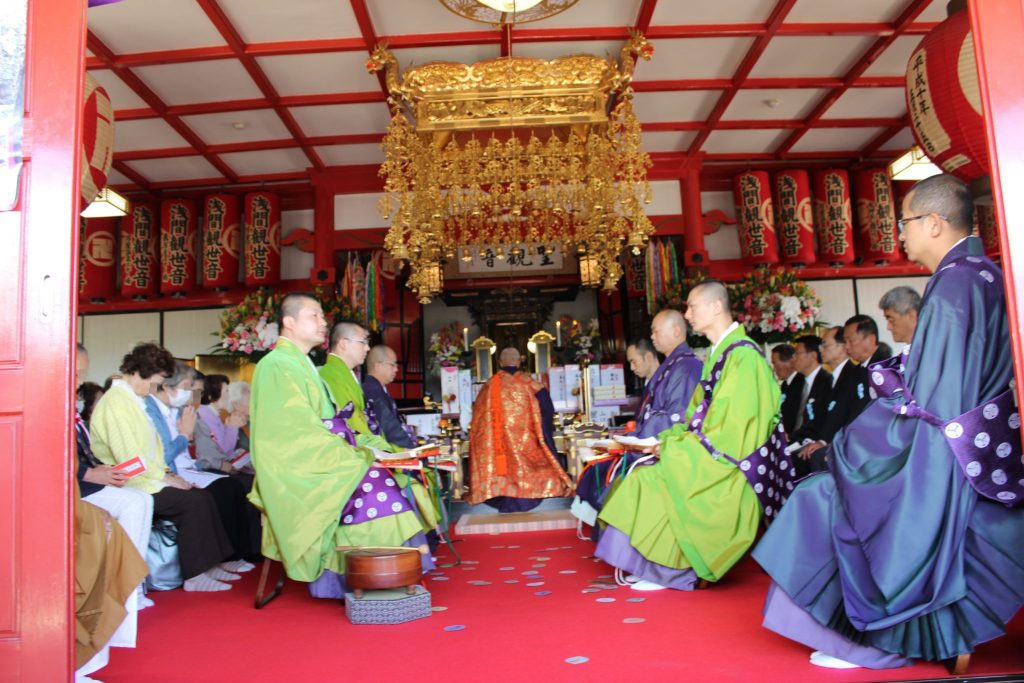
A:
x,y
499,12
510,151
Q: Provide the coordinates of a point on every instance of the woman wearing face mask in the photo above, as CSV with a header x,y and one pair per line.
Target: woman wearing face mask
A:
x,y
176,421
122,431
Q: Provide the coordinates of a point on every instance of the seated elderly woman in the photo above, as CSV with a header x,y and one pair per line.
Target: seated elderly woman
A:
x,y
216,436
175,419
238,404
121,431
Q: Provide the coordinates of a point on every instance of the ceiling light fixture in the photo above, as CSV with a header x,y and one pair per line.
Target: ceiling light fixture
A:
x,y
913,165
108,204
498,12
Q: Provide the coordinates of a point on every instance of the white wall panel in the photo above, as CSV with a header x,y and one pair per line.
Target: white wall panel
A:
x,y
724,244
870,291
110,337
189,333
357,211
837,302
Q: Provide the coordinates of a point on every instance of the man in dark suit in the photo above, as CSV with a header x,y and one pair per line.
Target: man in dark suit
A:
x,y
815,396
791,384
861,334
381,368
849,395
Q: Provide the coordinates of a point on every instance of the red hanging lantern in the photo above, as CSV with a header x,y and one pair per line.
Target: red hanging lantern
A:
x,y
97,274
97,140
221,239
876,216
794,213
832,216
755,218
262,238
138,252
944,99
987,228
177,246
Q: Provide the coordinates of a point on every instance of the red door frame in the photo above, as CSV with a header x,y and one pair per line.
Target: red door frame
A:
x,y
998,27
36,581
36,363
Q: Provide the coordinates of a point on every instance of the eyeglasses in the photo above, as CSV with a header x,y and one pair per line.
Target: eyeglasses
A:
x,y
901,224
358,341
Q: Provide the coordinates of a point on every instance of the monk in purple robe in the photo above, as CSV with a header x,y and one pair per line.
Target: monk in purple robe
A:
x,y
905,550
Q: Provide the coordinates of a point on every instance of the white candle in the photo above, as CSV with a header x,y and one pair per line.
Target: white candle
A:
x,y
465,339
558,332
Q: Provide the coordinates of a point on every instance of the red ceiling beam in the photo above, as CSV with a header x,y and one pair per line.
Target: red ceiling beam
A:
x,y
370,40
249,146
227,31
130,173
766,124
506,40
900,26
251,104
644,16
775,19
98,48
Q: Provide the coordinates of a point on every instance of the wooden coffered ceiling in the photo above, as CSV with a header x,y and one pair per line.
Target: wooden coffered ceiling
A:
x,y
221,92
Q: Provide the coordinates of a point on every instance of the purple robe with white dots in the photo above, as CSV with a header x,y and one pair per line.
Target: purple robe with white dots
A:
x,y
895,552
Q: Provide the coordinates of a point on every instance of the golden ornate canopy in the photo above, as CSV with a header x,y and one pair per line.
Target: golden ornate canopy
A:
x,y
511,151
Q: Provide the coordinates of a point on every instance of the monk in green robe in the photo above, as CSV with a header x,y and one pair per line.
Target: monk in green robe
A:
x,y
306,476
690,516
349,345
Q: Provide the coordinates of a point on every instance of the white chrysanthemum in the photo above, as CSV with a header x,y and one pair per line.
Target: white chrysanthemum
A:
x,y
268,334
790,307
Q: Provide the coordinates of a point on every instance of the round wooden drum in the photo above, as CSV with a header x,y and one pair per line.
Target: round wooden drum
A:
x,y
371,569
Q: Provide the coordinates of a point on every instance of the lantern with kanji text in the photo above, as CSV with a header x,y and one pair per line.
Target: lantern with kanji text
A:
x,y
794,216
944,99
876,216
987,228
177,246
833,219
755,218
221,240
139,239
262,238
97,140
97,267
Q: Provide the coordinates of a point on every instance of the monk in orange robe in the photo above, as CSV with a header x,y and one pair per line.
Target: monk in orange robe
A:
x,y
512,463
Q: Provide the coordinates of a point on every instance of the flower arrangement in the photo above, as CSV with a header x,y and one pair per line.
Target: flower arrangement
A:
x,y
579,343
447,348
249,329
773,305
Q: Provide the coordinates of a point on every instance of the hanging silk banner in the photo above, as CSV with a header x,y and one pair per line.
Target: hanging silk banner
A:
x,y
876,216
221,239
177,246
755,218
262,238
139,238
988,228
794,214
97,272
832,216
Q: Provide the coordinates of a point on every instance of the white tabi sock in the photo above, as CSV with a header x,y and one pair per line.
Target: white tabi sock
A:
x,y
237,566
643,585
222,574
204,583
819,658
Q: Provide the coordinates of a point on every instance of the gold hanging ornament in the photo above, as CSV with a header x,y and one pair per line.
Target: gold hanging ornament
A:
x,y
514,150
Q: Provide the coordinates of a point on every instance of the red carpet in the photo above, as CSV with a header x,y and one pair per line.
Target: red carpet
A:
x,y
511,632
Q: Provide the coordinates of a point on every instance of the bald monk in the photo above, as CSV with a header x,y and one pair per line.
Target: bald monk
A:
x,y
662,405
512,460
693,514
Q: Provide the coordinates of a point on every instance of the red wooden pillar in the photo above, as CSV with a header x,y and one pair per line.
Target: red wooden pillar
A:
x,y
323,231
38,295
694,253
998,26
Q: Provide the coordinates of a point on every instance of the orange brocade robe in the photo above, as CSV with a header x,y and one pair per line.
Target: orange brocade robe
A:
x,y
507,453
